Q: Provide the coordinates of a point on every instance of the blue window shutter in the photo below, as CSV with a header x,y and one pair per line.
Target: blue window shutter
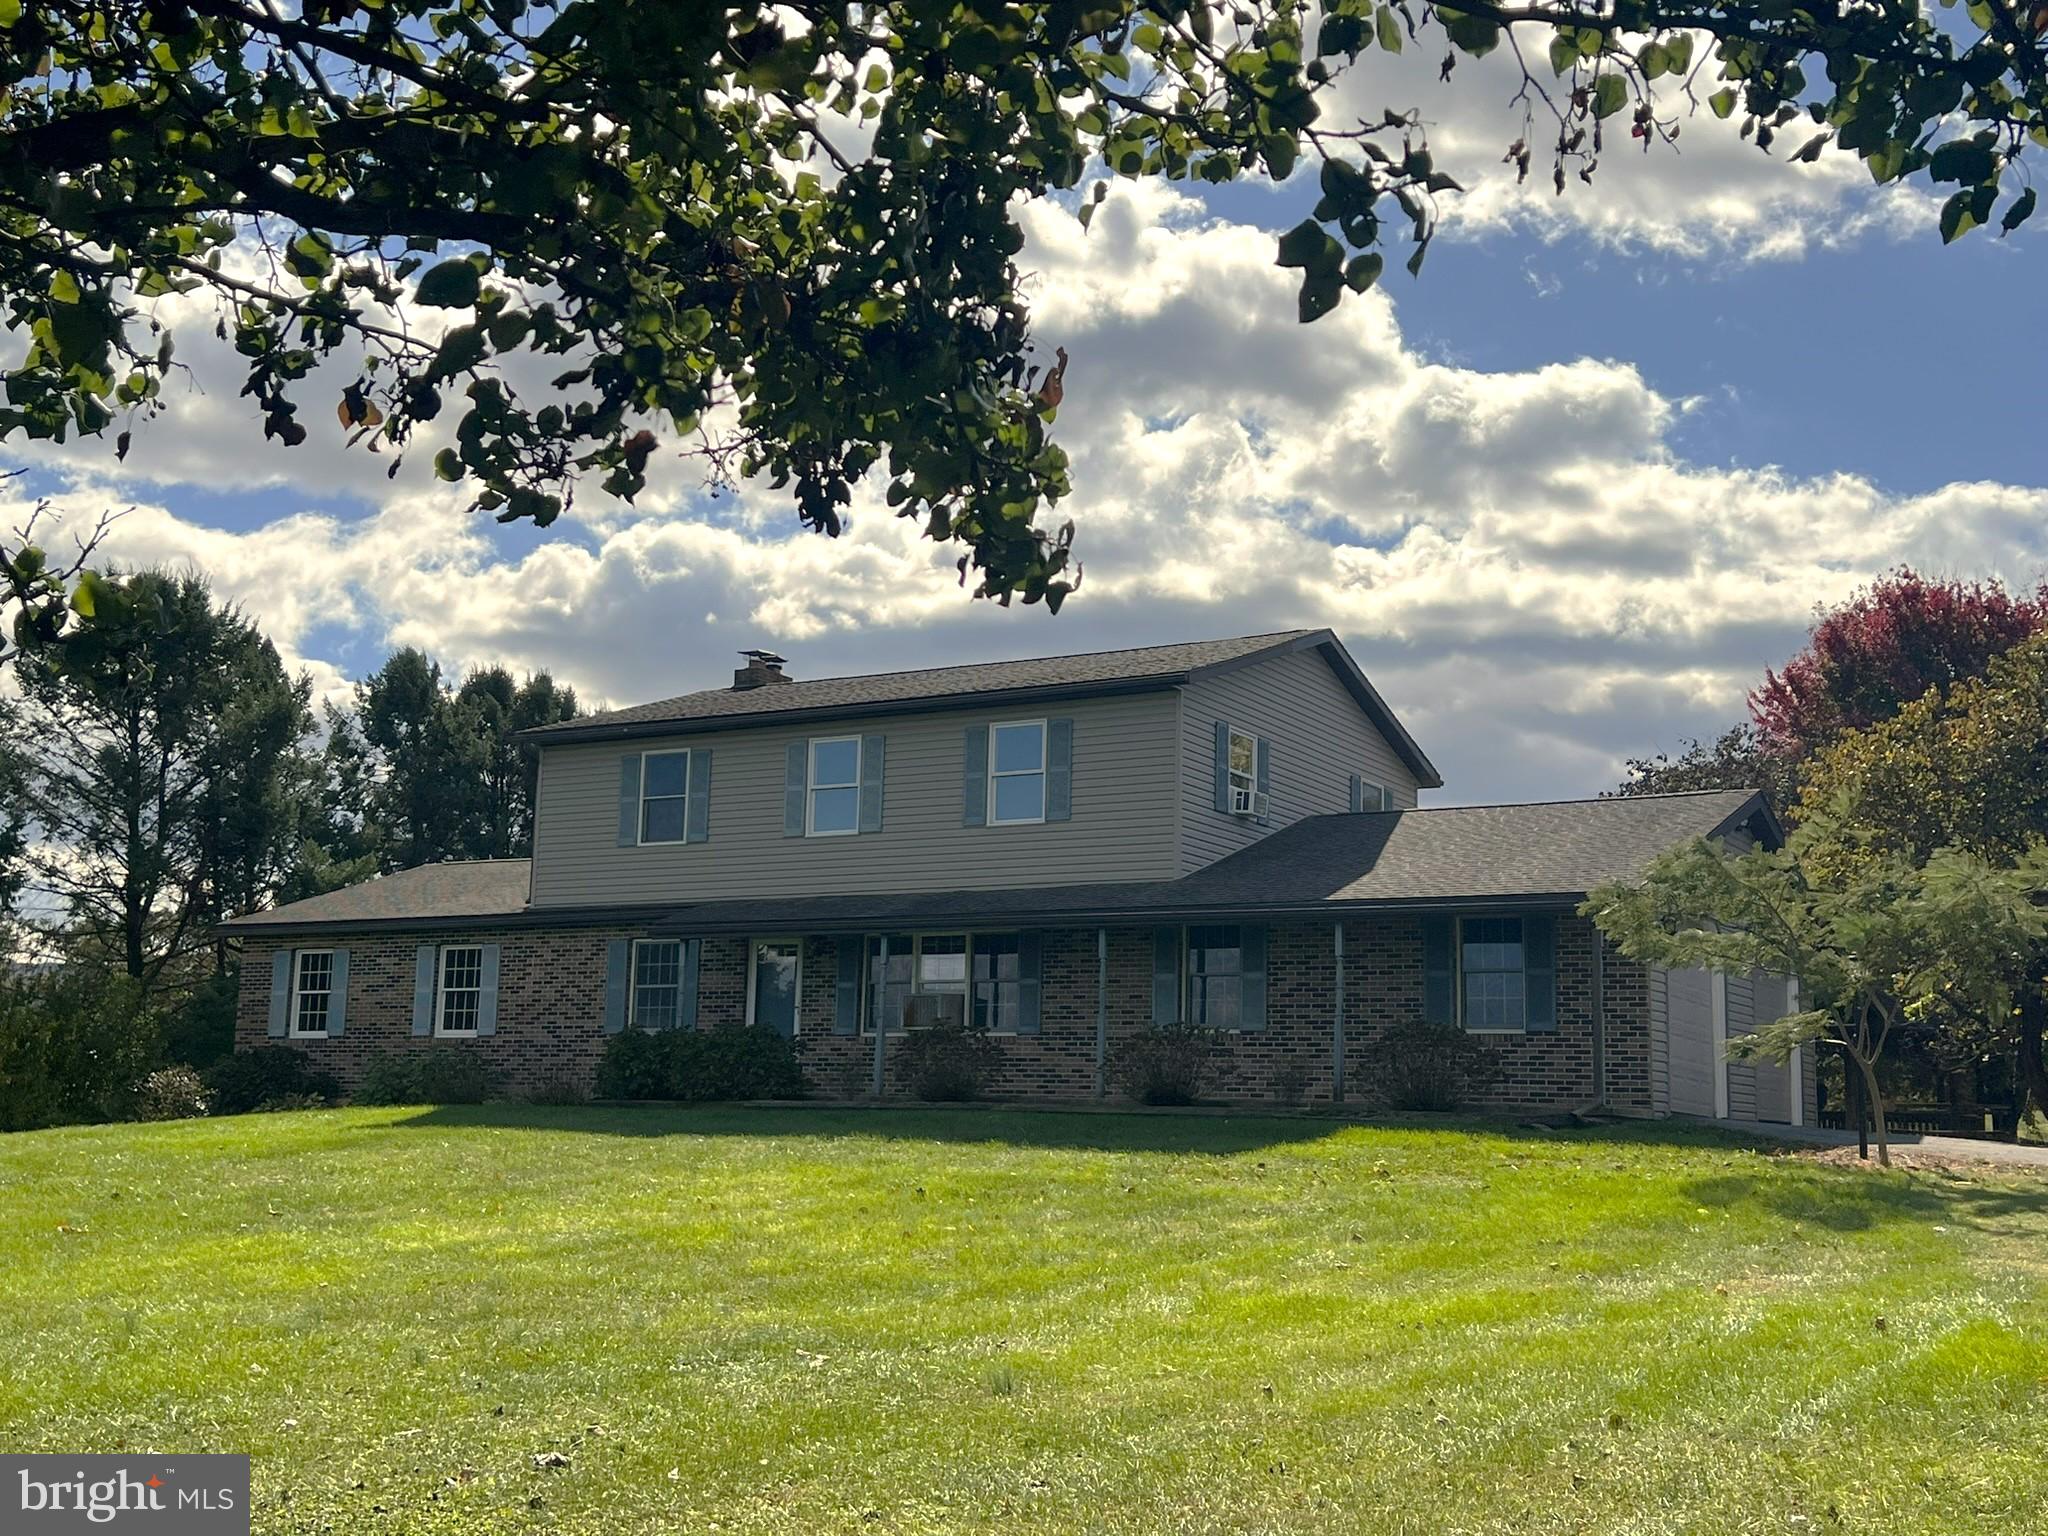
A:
x,y
337,997
1223,766
1262,778
1166,976
697,805
693,954
1539,972
872,767
1438,956
424,961
629,800
796,769
280,993
974,776
487,1000
1059,770
1251,1012
618,983
1028,988
1358,793
846,991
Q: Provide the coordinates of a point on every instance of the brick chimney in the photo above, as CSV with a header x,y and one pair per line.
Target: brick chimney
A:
x,y
762,668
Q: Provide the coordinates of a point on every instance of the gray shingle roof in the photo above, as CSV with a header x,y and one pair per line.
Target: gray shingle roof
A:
x,y
484,888
1552,851
1155,664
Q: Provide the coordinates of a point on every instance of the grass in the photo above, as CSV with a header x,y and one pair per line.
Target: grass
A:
x,y
778,1321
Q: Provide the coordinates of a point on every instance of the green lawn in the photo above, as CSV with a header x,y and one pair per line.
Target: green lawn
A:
x,y
796,1321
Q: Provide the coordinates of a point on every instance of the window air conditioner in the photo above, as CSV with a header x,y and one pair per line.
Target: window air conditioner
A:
x,y
927,1010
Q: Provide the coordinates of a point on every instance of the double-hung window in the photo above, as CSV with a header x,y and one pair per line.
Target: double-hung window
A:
x,y
312,991
1016,772
657,983
459,999
664,792
1374,797
834,793
998,978
1244,773
1492,980
1215,977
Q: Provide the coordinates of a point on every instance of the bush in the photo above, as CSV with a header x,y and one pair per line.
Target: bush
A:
x,y
1438,1067
947,1063
250,1079
558,1088
74,1045
1167,1063
171,1093
200,1030
698,1066
290,1101
428,1077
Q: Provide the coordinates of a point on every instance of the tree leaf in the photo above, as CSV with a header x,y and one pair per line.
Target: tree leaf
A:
x,y
1723,102
451,285
2021,210
1388,27
1610,95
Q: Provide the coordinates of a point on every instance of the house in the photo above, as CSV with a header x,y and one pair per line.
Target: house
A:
x,y
1064,850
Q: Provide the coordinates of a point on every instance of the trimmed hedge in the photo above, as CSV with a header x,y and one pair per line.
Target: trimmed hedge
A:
x,y
247,1080
699,1066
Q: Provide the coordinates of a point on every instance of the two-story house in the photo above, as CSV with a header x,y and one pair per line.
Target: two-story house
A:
x,y
1062,850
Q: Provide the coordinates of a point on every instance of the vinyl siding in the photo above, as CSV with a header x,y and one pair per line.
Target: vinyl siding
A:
x,y
1659,998
1742,1084
1122,826
1689,1010
1319,736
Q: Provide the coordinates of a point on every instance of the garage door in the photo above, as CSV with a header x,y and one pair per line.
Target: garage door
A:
x,y
1693,1058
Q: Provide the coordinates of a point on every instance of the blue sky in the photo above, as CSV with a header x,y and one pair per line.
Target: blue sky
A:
x,y
1565,496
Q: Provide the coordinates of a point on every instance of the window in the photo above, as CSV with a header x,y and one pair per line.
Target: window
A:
x,y
1491,988
1244,773
664,790
998,972
312,991
890,982
1016,772
1215,977
1374,797
834,787
657,983
772,985
461,1000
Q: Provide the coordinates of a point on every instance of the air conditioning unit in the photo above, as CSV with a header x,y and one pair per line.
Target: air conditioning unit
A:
x,y
928,1010
1248,802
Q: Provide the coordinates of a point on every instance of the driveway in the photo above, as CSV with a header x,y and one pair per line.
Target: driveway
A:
x,y
2021,1154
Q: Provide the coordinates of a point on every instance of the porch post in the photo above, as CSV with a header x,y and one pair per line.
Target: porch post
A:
x,y
1337,1030
881,1020
1101,1012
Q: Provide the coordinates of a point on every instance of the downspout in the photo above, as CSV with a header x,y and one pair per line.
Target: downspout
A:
x,y
1337,1029
1101,1013
1599,1019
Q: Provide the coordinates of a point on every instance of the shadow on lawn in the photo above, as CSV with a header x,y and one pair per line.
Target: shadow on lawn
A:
x,y
1855,1200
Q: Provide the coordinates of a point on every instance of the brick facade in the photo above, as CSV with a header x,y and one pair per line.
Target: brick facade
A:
x,y
551,1011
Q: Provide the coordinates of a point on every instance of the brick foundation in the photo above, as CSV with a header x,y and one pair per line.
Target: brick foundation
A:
x,y
551,1012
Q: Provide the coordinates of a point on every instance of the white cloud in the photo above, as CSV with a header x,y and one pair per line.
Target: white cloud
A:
x,y
1531,574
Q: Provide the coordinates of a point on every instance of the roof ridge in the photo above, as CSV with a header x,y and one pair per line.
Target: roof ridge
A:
x,y
1516,805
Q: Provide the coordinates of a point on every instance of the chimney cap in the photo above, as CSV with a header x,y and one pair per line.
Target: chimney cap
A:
x,y
764,658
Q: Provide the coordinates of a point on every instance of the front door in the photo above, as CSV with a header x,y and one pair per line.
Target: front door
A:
x,y
773,986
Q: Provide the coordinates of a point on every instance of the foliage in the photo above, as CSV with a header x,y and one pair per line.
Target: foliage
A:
x,y
1425,1066
199,1028
249,1079
1735,759
428,1077
947,1063
286,1103
560,1089
1877,944
699,1065
73,1045
1165,1064
793,227
1173,1294
171,1093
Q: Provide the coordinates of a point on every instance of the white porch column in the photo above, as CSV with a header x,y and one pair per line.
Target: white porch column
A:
x,y
1717,982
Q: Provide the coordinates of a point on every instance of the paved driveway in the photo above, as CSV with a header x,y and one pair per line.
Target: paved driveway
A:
x,y
2024,1154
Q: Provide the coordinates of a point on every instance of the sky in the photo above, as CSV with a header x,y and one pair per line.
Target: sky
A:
x,y
1565,497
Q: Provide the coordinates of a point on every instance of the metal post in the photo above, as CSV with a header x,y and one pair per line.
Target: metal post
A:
x,y
881,1018
1337,1030
1101,1013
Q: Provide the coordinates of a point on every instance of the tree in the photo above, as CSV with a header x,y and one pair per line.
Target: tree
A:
x,y
1967,769
422,764
792,226
498,709
13,816
1879,944
1735,759
157,741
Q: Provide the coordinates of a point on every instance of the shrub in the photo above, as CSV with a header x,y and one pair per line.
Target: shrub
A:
x,y
171,1093
1167,1063
697,1066
290,1101
1290,1085
428,1077
200,1030
250,1079
74,1044
947,1063
1419,1065
558,1088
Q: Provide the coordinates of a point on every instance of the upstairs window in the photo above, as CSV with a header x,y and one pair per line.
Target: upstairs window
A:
x,y
1492,989
664,790
1016,772
312,991
834,794
1244,772
1215,977
460,999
